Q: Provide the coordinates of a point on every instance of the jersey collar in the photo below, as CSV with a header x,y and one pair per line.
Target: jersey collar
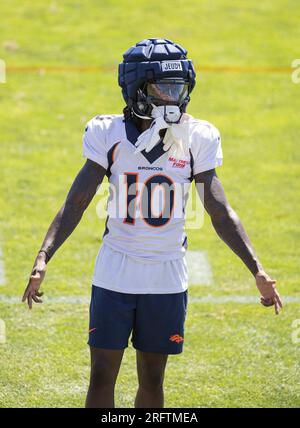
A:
x,y
133,133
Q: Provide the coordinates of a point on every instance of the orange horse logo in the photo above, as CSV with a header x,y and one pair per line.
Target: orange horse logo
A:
x,y
176,338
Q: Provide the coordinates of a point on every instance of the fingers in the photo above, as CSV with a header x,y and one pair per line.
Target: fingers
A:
x,y
278,298
278,303
267,289
39,294
265,301
25,295
274,300
29,301
36,299
32,295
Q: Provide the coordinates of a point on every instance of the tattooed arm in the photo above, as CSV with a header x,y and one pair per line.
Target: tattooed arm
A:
x,y
80,195
230,229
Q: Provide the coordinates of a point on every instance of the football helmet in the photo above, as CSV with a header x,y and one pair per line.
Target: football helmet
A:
x,y
156,72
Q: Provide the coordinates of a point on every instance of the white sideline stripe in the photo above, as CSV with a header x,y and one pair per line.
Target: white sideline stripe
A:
x,y
83,300
2,271
198,267
238,299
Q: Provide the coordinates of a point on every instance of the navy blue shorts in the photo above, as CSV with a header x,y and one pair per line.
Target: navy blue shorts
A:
x,y
156,321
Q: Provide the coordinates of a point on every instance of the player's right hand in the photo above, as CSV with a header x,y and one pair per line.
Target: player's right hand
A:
x,y
37,276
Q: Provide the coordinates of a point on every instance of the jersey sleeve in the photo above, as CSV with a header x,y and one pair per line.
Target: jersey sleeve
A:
x,y
206,148
94,142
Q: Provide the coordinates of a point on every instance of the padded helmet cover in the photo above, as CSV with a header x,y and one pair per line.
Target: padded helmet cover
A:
x,y
151,60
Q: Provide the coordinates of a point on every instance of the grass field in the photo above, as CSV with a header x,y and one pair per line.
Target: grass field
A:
x,y
236,355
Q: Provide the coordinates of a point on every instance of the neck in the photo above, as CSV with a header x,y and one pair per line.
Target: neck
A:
x,y
141,124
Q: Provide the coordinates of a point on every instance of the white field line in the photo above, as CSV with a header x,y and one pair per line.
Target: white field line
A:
x,y
199,273
84,300
2,271
198,268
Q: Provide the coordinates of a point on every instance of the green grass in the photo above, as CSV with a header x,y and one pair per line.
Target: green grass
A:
x,y
235,355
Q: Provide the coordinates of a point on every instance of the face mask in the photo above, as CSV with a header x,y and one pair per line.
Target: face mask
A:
x,y
165,98
176,140
171,114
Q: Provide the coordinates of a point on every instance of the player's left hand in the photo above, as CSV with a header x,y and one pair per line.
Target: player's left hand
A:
x,y
267,289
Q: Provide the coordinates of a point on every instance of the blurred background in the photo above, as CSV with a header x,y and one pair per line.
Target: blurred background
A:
x,y
61,69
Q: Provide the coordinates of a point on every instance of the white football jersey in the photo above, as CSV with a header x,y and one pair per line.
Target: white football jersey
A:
x,y
148,191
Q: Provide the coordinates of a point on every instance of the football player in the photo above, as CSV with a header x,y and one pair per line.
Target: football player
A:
x,y
150,154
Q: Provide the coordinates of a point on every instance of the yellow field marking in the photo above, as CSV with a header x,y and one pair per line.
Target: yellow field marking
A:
x,y
109,69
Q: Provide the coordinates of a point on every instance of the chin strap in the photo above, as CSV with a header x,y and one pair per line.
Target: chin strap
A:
x,y
176,140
